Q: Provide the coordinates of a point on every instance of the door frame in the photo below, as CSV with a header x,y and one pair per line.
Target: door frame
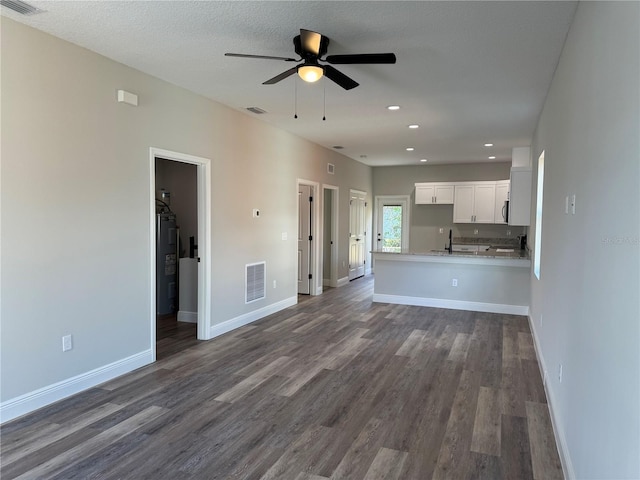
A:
x,y
316,230
203,166
405,201
333,278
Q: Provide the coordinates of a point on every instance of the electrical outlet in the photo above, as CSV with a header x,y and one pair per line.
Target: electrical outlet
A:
x,y
560,373
454,282
475,231
274,284
508,233
573,204
441,230
67,343
284,235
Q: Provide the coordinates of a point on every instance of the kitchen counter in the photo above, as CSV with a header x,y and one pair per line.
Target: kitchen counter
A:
x,y
518,257
486,281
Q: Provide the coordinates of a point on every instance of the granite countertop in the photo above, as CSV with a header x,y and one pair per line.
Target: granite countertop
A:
x,y
491,253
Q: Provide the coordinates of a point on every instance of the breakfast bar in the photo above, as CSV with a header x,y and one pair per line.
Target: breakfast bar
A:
x,y
491,280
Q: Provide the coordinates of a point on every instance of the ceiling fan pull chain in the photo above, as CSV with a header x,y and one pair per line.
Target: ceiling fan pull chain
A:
x,y
324,103
295,98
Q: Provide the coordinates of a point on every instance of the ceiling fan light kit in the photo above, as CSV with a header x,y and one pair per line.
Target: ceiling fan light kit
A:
x,y
312,46
310,73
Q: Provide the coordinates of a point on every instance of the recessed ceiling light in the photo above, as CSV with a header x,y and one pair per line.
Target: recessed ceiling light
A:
x,y
423,159
492,158
393,107
410,149
415,125
488,144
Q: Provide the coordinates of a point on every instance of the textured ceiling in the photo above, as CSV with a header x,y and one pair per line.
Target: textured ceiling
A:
x,y
467,72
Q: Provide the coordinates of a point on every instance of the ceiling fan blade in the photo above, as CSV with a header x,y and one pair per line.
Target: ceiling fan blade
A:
x,y
310,41
282,76
362,58
339,77
265,57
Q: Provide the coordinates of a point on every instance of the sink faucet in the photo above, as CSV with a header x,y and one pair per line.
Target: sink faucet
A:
x,y
450,247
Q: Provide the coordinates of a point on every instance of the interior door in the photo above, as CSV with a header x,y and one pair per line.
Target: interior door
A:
x,y
305,197
357,234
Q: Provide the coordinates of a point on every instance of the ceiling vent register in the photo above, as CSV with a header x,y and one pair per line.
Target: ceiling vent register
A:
x,y
22,8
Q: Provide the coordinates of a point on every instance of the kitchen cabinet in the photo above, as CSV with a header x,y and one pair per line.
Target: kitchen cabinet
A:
x,y
520,196
502,195
474,202
434,193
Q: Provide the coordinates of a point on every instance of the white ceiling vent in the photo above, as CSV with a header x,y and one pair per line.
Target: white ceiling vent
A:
x,y
22,8
255,282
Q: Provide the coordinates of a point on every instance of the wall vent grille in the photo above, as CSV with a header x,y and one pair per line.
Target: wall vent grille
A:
x,y
21,7
255,282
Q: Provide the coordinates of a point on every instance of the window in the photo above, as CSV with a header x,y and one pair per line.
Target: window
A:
x,y
391,228
537,246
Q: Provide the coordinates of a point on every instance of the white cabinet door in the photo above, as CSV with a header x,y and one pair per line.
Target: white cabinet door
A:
x,y
474,203
484,203
425,194
502,195
443,194
434,193
463,204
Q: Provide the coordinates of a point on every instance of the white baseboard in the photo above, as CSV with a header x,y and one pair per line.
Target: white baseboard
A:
x,y
190,317
343,281
452,304
561,441
42,397
242,320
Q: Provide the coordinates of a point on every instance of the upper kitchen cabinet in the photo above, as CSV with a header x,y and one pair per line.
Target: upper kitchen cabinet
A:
x,y
501,205
434,193
520,196
474,202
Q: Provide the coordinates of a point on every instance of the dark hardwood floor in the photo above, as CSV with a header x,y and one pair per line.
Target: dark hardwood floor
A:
x,y
172,336
334,387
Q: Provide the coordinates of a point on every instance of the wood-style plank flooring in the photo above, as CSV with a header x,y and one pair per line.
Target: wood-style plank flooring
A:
x,y
335,387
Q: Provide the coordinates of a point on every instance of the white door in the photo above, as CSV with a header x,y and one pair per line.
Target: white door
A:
x,y
392,223
357,234
305,196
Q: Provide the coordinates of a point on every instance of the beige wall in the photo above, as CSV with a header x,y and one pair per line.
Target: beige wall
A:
x,y
585,309
426,220
75,205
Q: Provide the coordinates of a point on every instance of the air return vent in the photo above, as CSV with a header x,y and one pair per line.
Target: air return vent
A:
x,y
255,282
21,7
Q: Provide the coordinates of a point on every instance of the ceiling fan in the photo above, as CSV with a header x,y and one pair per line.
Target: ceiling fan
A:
x,y
312,46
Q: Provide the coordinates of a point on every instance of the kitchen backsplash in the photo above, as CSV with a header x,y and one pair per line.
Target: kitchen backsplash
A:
x,y
426,224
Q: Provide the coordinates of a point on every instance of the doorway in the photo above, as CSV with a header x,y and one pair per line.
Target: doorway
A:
x,y
392,223
305,238
357,233
172,216
330,236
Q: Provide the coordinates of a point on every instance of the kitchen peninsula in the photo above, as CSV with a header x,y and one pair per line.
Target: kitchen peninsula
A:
x,y
489,280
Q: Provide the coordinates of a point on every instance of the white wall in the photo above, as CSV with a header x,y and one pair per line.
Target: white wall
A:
x,y
75,205
590,266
